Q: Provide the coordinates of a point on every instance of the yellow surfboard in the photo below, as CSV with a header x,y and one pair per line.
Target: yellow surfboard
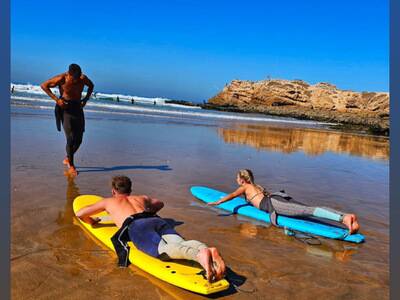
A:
x,y
182,273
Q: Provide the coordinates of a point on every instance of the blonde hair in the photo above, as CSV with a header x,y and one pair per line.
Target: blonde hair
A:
x,y
248,177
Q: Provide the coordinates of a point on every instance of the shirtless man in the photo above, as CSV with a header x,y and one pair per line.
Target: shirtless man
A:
x,y
151,234
70,85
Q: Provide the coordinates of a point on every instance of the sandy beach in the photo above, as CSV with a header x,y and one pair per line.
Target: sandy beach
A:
x,y
52,257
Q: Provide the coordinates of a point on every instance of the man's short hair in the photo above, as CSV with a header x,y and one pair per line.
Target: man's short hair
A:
x,y
75,70
122,184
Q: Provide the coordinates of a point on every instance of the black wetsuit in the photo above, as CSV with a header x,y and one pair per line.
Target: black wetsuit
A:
x,y
73,121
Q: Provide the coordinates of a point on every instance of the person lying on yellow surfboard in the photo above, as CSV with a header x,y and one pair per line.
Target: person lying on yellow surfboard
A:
x,y
135,216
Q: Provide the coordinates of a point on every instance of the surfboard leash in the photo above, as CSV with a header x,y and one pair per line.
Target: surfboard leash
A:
x,y
305,238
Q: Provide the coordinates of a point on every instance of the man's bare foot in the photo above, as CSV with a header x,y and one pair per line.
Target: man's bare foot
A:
x,y
351,222
204,259
72,171
66,162
219,263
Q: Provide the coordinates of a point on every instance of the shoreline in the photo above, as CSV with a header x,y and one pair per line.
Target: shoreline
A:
x,y
343,120
367,123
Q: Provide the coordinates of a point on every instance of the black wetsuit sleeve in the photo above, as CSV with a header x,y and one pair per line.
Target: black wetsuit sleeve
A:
x,y
59,116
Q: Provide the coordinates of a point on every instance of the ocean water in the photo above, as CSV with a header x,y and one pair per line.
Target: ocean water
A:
x,y
32,96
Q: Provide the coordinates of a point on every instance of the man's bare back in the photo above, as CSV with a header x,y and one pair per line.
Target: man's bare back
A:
x,y
120,207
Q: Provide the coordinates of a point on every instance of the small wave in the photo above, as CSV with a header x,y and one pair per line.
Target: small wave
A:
x,y
32,99
36,89
111,108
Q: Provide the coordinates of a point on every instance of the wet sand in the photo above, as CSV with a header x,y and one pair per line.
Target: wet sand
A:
x,y
52,257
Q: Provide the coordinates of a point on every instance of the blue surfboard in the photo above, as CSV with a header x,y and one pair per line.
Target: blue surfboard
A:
x,y
239,206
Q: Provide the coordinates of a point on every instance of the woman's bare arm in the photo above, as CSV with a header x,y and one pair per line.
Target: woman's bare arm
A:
x,y
235,194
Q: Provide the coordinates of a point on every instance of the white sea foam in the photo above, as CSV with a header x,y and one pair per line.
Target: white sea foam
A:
x,y
148,111
36,89
128,98
32,89
31,99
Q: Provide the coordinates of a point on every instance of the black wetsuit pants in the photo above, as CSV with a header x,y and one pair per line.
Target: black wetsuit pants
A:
x,y
74,126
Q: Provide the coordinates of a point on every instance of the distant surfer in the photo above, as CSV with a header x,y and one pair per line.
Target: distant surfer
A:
x,y
133,101
12,89
282,204
154,102
117,99
69,108
135,216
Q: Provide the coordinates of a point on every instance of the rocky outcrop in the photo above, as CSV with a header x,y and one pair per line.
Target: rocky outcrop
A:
x,y
299,99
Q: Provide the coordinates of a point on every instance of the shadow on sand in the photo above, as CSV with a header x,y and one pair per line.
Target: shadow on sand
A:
x,y
119,168
235,281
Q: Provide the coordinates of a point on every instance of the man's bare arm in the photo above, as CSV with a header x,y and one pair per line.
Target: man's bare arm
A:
x,y
53,82
90,86
87,211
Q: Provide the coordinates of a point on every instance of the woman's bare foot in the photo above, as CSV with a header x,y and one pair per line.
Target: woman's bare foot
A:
x,y
219,262
66,162
351,222
204,259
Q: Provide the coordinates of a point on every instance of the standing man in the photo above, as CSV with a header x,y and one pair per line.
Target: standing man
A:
x,y
70,108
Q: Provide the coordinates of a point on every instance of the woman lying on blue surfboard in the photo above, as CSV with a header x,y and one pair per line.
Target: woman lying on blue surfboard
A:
x,y
282,204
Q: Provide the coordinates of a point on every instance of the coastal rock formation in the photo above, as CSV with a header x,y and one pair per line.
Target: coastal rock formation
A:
x,y
299,99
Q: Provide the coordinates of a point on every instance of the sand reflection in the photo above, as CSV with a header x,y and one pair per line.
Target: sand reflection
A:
x,y
310,141
67,216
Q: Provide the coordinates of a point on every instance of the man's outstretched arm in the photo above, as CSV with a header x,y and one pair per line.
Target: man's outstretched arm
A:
x,y
90,86
53,82
87,211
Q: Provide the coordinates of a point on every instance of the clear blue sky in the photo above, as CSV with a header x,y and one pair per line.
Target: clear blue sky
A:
x,y
188,49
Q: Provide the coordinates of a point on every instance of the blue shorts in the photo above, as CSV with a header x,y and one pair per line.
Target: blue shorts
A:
x,y
145,233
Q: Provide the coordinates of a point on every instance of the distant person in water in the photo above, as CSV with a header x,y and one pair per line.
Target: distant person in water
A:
x,y
282,204
154,102
135,215
133,101
117,99
69,108
12,89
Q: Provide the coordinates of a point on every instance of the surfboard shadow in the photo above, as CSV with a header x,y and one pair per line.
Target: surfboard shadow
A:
x,y
235,210
235,281
173,222
120,168
102,225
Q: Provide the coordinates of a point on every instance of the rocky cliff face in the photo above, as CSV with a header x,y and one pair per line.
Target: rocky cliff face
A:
x,y
297,98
